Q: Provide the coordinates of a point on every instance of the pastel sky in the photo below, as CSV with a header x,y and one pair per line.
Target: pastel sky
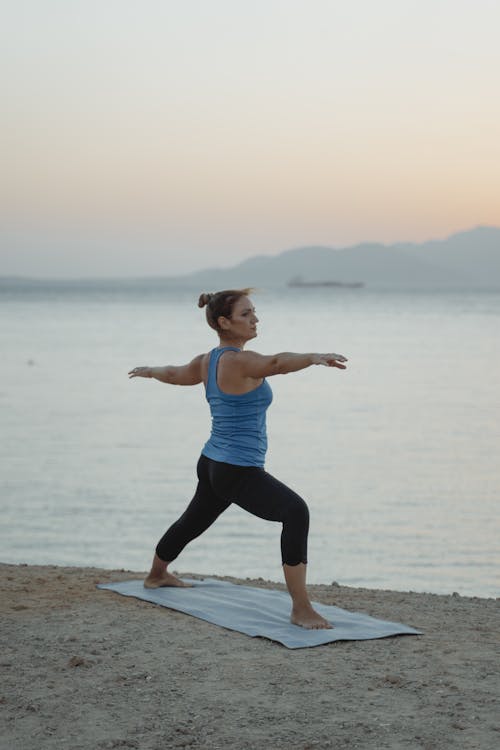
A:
x,y
146,137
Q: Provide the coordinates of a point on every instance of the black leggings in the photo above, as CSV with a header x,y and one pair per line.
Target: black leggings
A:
x,y
254,490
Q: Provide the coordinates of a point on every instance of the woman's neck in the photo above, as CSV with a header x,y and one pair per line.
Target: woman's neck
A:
x,y
230,342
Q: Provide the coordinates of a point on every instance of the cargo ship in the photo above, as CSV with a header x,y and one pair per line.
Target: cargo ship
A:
x,y
299,282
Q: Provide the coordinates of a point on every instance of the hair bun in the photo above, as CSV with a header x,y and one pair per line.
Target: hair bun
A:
x,y
204,299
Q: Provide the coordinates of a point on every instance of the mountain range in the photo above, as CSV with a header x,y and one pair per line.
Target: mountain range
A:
x,y
469,259
466,260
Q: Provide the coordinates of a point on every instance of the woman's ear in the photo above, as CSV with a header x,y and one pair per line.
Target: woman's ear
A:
x,y
223,323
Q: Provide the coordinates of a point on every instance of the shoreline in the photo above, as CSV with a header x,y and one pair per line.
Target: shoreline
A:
x,y
258,580
87,669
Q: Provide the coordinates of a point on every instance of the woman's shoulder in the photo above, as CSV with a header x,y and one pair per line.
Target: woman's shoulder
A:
x,y
238,370
236,357
242,353
204,360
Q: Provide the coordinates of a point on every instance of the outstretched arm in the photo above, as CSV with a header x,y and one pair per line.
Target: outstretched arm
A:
x,y
255,365
189,374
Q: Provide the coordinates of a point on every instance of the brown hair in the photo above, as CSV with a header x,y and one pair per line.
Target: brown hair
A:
x,y
220,304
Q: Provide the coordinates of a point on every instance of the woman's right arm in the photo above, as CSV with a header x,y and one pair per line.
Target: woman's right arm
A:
x,y
253,365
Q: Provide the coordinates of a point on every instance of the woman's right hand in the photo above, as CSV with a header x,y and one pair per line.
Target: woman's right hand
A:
x,y
330,360
141,372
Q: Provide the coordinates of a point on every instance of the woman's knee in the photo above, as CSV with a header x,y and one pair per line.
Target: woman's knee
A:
x,y
298,512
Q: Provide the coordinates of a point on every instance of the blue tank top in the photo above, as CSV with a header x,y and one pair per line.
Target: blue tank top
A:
x,y
238,420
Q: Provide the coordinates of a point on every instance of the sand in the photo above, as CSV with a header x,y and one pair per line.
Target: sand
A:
x,y
85,669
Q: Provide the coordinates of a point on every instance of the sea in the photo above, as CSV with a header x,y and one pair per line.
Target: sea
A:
x,y
398,456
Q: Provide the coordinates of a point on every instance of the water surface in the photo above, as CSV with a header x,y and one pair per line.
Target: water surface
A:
x,y
397,456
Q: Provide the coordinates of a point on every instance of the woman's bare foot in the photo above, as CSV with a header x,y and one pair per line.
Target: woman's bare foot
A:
x,y
165,579
302,612
308,618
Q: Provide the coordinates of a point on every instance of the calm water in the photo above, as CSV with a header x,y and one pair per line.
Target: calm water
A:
x,y
397,456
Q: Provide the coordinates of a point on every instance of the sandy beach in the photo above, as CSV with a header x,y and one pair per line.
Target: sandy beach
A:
x,y
85,669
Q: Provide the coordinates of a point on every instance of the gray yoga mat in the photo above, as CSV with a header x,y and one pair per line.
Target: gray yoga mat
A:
x,y
260,612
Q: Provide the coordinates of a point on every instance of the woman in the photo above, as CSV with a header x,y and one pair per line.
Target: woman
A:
x,y
230,468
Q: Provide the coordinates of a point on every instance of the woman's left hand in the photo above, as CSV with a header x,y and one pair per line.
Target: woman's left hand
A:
x,y
141,372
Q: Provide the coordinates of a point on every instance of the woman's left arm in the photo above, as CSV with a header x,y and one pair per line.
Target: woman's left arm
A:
x,y
189,374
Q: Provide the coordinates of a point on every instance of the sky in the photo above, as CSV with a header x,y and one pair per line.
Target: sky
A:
x,y
156,137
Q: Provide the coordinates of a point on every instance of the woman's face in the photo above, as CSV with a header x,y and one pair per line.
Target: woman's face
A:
x,y
243,321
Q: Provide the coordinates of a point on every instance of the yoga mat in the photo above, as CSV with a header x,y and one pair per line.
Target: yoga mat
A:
x,y
260,612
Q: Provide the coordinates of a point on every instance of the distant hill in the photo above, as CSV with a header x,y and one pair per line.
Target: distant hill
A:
x,y
468,259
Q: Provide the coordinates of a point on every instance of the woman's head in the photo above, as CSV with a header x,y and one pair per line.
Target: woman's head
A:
x,y
230,312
